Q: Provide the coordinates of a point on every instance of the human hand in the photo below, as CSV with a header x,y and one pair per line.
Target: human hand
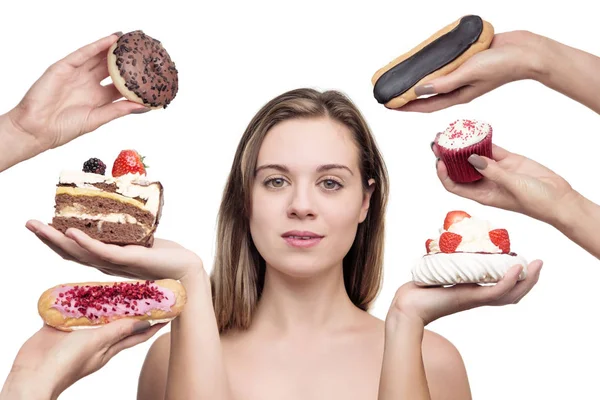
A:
x,y
164,260
68,100
511,56
426,304
512,182
53,360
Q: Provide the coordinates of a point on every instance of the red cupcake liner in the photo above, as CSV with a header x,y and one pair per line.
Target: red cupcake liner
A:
x,y
456,160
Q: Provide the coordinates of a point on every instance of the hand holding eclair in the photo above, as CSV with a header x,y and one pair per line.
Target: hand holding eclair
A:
x,y
51,361
514,56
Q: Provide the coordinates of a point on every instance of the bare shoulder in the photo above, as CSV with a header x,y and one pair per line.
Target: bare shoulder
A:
x,y
153,377
444,368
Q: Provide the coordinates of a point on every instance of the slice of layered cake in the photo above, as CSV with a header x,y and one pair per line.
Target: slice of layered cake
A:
x,y
121,209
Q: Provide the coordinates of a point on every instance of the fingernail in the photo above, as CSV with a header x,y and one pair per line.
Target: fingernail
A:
x,y
477,162
431,145
141,110
140,327
119,34
424,89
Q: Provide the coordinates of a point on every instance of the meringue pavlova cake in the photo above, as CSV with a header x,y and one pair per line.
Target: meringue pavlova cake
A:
x,y
468,250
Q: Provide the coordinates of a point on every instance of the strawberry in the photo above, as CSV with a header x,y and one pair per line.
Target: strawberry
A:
x,y
453,217
427,245
128,162
449,242
500,238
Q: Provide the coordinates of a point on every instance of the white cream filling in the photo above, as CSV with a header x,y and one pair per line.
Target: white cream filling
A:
x,y
119,218
128,185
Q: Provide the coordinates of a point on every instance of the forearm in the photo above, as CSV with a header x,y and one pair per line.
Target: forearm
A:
x,y
578,218
15,145
570,71
403,371
196,368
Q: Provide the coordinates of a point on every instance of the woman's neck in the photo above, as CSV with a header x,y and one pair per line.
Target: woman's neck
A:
x,y
292,305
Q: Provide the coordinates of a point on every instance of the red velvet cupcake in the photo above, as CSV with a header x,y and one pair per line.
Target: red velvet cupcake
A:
x,y
462,138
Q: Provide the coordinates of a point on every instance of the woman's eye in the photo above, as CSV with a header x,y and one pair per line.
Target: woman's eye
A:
x,y
330,184
275,182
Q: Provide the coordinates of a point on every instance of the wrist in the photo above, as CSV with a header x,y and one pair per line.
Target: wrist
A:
x,y
195,277
401,321
569,211
539,57
19,386
18,144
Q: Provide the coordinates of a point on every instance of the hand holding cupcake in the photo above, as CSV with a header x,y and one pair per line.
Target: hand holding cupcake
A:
x,y
458,142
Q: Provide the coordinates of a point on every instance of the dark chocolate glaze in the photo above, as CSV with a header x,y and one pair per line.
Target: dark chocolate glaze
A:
x,y
429,59
147,68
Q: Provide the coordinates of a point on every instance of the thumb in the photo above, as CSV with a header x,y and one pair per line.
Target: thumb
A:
x,y
116,331
490,169
446,83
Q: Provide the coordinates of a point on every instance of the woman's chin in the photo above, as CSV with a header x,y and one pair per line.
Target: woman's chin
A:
x,y
301,270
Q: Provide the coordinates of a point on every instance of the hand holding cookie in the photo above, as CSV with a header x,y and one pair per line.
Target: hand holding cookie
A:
x,y
68,100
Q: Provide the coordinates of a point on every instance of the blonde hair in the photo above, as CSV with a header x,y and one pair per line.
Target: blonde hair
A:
x,y
238,273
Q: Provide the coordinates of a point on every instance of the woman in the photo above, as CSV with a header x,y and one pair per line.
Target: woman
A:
x,y
299,261
512,181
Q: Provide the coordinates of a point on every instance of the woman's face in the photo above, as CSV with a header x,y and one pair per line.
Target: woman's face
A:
x,y
308,197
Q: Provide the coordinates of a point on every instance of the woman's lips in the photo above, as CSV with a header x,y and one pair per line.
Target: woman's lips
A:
x,y
302,239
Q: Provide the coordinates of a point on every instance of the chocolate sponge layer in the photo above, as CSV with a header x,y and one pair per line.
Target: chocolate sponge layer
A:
x,y
107,232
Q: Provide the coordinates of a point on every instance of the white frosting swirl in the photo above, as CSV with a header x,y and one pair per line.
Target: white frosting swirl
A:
x,y
463,133
453,268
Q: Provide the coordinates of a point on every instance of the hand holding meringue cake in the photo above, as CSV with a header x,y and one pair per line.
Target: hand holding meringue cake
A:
x,y
468,250
121,209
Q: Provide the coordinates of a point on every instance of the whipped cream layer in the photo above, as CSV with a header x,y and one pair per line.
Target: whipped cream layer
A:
x,y
76,212
128,185
463,133
475,234
454,268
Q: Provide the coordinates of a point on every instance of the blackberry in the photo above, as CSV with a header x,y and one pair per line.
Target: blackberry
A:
x,y
95,166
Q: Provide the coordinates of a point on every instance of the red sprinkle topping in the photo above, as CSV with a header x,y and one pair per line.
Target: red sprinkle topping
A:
x,y
89,299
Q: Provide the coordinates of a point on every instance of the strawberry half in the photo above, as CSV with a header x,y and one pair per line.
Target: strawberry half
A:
x,y
128,162
449,242
500,238
427,243
453,217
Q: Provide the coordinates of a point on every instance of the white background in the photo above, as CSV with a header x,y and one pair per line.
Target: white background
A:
x,y
232,58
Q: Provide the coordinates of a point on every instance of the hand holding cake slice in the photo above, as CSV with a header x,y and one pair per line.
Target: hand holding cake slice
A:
x,y
468,250
121,209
